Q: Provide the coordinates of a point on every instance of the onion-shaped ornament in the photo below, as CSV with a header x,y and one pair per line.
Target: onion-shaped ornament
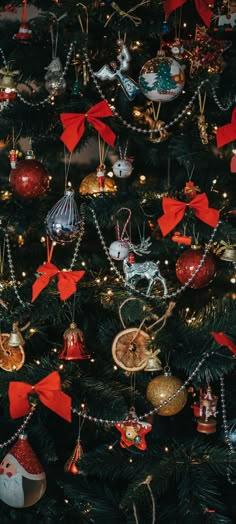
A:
x,y
122,168
63,222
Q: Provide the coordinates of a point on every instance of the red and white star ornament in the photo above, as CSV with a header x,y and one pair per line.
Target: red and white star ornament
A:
x,y
133,431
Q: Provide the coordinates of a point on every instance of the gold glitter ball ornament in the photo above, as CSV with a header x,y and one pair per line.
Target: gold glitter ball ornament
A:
x,y
163,387
89,185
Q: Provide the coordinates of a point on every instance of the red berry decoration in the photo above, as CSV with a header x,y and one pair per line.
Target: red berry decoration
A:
x,y
29,179
187,264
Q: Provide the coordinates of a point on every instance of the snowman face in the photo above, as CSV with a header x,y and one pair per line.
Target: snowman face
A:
x,y
122,168
119,250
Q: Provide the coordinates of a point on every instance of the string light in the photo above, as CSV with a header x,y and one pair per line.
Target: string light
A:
x,y
142,179
225,195
61,366
23,274
83,263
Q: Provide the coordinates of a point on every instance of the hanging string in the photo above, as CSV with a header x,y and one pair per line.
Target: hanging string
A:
x,y
156,112
67,166
136,20
84,29
121,236
102,149
49,248
202,102
2,256
135,514
24,12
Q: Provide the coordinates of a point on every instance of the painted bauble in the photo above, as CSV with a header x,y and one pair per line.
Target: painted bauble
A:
x,y
122,168
29,179
63,221
163,387
161,78
22,479
187,264
55,85
119,250
89,185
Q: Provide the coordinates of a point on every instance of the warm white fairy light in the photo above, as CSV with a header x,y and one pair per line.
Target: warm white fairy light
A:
x,y
166,262
115,368
110,174
83,263
233,280
61,366
92,360
23,274
224,195
42,239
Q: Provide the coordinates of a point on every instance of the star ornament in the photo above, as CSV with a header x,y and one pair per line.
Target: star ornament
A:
x,y
133,431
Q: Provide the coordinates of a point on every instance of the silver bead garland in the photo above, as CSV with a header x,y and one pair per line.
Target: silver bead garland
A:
x,y
50,96
12,272
19,431
218,102
140,293
127,124
232,451
79,240
155,410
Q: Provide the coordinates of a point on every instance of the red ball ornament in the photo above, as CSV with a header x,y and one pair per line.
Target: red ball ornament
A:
x,y
187,264
29,179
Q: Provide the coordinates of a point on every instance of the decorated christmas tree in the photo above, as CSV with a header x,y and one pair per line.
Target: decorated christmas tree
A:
x,y
118,264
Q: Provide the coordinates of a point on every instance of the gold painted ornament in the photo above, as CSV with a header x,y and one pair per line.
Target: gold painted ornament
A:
x,y
163,387
90,185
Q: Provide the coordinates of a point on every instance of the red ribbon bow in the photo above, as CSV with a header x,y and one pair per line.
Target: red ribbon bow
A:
x,y
223,340
66,280
227,133
49,393
202,7
174,211
74,124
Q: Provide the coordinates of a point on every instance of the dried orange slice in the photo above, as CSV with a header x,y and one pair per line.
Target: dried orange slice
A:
x,y
11,358
130,349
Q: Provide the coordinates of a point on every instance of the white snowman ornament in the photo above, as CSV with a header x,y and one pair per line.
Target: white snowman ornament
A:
x,y
122,168
119,250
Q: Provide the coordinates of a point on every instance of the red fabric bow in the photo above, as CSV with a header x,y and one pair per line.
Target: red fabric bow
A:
x,y
74,124
227,133
202,7
49,393
174,211
66,280
223,340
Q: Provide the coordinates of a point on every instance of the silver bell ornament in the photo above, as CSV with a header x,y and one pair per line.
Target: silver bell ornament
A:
x,y
55,84
122,168
119,250
63,221
15,338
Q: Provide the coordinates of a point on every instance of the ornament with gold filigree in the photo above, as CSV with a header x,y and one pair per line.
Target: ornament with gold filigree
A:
x,y
8,91
149,117
226,251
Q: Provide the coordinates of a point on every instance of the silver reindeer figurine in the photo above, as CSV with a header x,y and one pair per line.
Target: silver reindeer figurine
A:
x,y
142,270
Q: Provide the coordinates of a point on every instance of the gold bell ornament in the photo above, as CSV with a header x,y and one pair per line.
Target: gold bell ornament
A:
x,y
227,252
74,346
153,362
7,87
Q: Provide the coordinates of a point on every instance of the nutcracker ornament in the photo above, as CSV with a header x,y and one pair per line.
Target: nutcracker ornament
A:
x,y
205,411
13,157
74,346
22,479
114,71
133,431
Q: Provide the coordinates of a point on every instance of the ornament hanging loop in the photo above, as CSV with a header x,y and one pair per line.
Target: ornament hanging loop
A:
x,y
121,236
